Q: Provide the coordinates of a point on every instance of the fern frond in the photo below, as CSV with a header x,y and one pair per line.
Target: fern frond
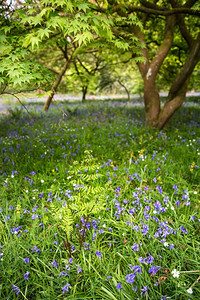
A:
x,y
64,218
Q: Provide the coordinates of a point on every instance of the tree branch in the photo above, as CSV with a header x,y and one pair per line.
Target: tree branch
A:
x,y
190,3
150,5
24,106
83,66
183,28
187,69
163,12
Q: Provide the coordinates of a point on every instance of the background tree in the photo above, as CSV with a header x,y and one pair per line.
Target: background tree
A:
x,y
72,26
165,24
120,74
86,68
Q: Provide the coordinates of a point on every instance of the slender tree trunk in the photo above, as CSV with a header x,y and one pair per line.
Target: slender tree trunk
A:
x,y
56,84
84,91
123,85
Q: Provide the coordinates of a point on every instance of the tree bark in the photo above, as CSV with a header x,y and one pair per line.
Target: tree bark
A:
x,y
56,84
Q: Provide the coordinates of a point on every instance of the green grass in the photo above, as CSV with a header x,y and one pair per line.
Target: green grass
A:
x,y
89,182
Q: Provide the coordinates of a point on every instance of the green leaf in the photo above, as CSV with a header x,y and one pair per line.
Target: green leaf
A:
x,y
84,38
37,20
43,33
31,40
83,6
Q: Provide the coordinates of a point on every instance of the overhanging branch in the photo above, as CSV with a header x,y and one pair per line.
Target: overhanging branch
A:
x,y
162,12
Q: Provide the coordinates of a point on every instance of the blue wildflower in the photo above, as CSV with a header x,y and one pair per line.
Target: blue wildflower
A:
x,y
154,269
98,254
55,263
119,286
66,288
130,278
16,289
26,275
135,247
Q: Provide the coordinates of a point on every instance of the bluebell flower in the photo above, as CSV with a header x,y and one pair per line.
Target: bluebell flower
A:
x,y
154,269
63,273
145,288
26,275
16,289
26,260
130,278
35,249
145,229
159,188
34,216
15,230
70,260
135,247
98,254
119,286
183,229
86,246
66,288
55,263
136,269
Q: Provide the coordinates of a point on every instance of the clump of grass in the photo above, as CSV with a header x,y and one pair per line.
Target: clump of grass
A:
x,y
96,206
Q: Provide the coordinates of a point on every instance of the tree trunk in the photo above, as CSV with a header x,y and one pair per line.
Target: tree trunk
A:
x,y
149,71
171,107
178,89
56,84
154,116
152,102
127,91
84,91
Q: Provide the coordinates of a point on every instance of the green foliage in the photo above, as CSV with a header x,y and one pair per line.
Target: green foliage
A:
x,y
35,26
63,218
15,113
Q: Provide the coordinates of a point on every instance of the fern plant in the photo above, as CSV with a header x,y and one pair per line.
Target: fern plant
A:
x,y
63,218
88,200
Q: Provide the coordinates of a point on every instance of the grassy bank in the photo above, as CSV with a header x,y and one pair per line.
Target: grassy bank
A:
x,y
96,206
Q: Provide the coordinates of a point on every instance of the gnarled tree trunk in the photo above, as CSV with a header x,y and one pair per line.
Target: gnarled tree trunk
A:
x,y
155,117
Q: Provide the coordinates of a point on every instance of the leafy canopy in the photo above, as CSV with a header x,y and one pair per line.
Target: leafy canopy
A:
x,y
37,24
